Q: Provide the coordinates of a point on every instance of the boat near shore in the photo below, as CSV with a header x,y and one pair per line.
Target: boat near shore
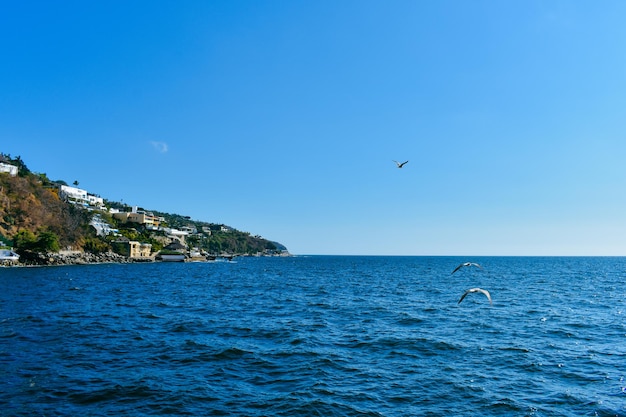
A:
x,y
8,257
221,258
173,257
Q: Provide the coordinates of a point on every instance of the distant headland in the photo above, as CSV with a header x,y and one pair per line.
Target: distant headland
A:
x,y
46,222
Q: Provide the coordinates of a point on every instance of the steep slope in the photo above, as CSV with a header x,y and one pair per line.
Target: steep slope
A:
x,y
26,204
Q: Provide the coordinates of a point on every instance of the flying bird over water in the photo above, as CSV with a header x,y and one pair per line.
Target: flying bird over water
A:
x,y
400,164
466,264
476,290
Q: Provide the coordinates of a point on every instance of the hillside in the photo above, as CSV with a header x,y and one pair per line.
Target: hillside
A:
x,y
34,217
30,204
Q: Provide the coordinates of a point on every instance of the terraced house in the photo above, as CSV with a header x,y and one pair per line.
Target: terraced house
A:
x,y
138,216
80,196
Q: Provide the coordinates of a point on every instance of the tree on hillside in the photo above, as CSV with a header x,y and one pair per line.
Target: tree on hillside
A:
x,y
48,242
25,240
45,241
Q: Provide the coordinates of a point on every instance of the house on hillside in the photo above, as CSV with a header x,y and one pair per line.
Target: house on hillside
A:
x,y
190,229
137,216
175,234
102,228
9,169
73,194
132,248
95,201
79,196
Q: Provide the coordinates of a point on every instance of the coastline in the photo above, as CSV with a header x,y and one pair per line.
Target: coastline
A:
x,y
87,258
74,258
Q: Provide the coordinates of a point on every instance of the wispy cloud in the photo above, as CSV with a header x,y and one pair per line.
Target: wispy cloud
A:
x,y
159,146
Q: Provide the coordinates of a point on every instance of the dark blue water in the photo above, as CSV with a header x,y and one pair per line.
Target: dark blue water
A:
x,y
316,336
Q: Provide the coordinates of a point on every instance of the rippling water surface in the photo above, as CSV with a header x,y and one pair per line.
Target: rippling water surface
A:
x,y
316,336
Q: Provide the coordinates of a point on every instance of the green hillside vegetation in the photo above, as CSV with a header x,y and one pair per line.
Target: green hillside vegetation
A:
x,y
217,240
34,218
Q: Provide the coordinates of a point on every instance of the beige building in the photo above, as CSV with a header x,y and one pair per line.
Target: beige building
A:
x,y
132,248
139,250
138,217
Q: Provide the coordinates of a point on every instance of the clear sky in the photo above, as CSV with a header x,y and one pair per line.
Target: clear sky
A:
x,y
283,117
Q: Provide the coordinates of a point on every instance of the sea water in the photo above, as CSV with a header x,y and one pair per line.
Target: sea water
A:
x,y
316,336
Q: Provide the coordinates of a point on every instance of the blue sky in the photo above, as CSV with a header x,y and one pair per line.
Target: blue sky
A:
x,y
282,118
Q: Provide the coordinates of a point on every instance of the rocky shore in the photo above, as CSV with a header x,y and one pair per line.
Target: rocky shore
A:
x,y
85,258
75,258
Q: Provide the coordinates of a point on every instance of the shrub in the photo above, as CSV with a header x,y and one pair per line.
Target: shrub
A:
x,y
46,241
96,245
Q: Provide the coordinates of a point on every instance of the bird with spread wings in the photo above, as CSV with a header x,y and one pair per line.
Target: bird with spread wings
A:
x,y
466,264
476,290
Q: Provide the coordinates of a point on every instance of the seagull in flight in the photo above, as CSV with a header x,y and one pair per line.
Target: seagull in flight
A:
x,y
400,164
466,264
476,290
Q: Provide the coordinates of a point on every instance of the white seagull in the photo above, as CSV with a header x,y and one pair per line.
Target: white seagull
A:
x,y
476,290
466,264
400,164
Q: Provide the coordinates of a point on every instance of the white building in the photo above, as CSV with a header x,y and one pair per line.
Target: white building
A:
x,y
102,227
80,196
72,193
176,234
10,169
95,201
189,229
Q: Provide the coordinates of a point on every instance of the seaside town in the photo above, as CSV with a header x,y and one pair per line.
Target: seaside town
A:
x,y
167,243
